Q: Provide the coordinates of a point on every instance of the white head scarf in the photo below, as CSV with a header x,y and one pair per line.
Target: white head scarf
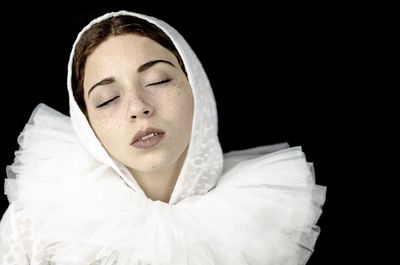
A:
x,y
203,164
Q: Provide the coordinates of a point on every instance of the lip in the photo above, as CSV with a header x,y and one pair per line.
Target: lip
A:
x,y
150,142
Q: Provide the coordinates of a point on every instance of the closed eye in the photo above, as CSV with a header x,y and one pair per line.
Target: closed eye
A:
x,y
159,82
107,102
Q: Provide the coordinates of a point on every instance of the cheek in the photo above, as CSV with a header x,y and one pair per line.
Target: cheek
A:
x,y
105,128
183,111
183,97
187,104
179,103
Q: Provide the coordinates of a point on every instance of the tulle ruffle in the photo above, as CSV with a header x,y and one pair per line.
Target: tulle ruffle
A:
x,y
263,210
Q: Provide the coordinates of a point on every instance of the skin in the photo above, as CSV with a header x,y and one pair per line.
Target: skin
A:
x,y
140,101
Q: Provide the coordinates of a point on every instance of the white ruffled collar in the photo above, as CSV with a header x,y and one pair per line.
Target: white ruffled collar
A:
x,y
263,209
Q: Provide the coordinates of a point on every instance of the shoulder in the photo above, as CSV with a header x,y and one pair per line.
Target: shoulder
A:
x,y
260,154
14,221
15,235
267,165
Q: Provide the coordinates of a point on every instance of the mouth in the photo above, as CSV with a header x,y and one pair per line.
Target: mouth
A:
x,y
147,138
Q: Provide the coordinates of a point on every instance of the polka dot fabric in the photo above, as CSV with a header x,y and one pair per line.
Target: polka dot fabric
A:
x,y
15,237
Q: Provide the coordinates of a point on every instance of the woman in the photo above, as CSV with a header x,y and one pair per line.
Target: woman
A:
x,y
136,174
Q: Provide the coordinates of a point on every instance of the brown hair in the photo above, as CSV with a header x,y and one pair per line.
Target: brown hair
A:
x,y
100,32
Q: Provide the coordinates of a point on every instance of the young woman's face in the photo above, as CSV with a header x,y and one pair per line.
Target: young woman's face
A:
x,y
139,102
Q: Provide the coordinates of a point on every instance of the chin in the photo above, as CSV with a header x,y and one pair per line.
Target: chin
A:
x,y
157,161
153,165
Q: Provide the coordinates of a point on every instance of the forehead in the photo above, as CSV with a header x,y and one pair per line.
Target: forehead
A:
x,y
132,46
122,54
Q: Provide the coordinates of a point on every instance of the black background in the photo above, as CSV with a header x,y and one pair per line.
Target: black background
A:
x,y
279,73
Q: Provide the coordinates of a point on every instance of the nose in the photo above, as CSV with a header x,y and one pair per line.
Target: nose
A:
x,y
139,107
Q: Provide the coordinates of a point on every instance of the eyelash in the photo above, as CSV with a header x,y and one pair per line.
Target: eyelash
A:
x,y
114,98
159,82
107,102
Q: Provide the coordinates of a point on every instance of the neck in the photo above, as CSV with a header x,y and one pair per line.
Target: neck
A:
x,y
159,185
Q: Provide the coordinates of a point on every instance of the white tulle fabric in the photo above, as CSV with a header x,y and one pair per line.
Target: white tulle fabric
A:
x,y
72,204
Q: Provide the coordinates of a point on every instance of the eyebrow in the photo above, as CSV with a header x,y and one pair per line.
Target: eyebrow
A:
x,y
149,64
142,68
107,81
